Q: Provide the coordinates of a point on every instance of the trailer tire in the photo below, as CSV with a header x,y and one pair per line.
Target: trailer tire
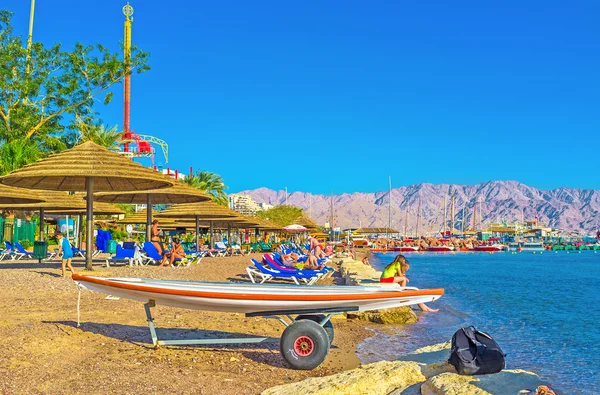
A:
x,y
318,318
304,344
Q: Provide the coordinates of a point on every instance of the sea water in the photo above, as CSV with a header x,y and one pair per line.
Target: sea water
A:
x,y
542,309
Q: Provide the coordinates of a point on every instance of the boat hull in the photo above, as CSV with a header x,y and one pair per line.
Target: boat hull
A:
x,y
488,248
250,298
440,249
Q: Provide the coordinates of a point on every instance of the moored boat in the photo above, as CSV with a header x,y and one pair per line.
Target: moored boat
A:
x,y
440,249
489,248
408,249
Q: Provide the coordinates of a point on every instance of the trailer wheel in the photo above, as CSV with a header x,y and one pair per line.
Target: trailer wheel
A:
x,y
318,318
304,344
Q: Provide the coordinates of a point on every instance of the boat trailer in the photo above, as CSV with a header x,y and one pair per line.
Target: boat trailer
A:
x,y
304,344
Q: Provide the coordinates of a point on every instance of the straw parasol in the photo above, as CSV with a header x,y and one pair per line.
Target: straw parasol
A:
x,y
178,193
57,202
11,195
306,222
91,168
204,210
137,218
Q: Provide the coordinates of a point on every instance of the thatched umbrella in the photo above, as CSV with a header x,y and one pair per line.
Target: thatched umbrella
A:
x,y
91,168
137,218
204,210
178,193
58,203
306,222
11,195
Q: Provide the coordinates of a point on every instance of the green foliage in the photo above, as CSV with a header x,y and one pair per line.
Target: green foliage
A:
x,y
210,183
46,92
26,243
99,134
128,208
118,235
281,215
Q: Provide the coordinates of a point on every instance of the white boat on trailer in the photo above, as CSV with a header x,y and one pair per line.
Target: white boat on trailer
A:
x,y
305,342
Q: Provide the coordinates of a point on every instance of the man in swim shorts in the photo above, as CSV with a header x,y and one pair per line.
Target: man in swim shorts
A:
x,y
65,247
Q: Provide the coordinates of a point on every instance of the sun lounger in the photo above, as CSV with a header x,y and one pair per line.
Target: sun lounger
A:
x,y
123,255
15,254
221,249
267,274
4,253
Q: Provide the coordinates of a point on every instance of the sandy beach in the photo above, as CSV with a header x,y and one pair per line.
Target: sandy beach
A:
x,y
43,350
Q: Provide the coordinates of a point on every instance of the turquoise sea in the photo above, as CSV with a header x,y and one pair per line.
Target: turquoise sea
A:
x,y
543,310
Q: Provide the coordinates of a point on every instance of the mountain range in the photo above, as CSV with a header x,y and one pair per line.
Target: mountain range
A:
x,y
567,209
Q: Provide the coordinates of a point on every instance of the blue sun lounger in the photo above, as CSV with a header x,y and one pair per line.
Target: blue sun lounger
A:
x,y
124,255
267,274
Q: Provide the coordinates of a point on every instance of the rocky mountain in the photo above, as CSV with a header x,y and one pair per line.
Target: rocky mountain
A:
x,y
567,209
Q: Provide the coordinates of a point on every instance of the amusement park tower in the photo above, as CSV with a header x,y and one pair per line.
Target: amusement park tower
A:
x,y
134,145
128,11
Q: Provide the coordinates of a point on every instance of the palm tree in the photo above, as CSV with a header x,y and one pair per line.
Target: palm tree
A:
x,y
99,134
210,183
17,154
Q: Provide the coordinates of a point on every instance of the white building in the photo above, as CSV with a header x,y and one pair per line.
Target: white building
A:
x,y
243,204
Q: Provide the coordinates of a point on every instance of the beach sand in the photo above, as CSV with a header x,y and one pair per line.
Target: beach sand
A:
x,y
42,350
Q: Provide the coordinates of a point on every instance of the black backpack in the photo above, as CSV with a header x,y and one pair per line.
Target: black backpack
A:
x,y
474,352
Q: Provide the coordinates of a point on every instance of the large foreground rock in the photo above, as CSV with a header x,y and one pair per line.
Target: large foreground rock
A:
x,y
505,382
424,371
374,379
396,315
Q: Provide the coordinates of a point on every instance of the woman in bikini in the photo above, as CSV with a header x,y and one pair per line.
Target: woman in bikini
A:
x,y
395,272
155,237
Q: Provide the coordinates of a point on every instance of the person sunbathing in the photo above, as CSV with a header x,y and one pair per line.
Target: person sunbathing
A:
x,y
395,272
175,253
155,237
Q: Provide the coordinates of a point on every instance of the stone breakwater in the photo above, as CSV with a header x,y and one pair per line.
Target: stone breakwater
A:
x,y
424,371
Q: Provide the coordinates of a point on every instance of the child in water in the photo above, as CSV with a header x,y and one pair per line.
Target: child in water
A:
x,y
395,272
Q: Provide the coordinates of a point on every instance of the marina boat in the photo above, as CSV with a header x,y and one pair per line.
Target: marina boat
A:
x,y
250,298
489,248
440,249
533,246
408,249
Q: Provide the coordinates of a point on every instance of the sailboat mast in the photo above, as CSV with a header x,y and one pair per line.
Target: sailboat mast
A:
x,y
445,215
406,222
452,212
389,207
418,216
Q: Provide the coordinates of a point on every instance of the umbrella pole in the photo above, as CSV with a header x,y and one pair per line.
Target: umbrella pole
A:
x,y
229,233
80,232
89,209
212,242
197,234
41,224
148,217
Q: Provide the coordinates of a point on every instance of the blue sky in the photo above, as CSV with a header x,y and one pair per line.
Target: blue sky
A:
x,y
334,96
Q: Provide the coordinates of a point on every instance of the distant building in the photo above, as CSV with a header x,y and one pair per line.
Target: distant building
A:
x,y
244,204
265,206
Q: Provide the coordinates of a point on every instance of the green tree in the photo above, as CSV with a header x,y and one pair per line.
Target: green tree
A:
x,y
17,154
281,215
211,183
99,134
45,91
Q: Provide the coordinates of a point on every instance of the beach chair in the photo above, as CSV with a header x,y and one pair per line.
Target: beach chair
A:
x,y
4,253
267,274
77,251
221,249
15,255
277,264
265,247
123,255
150,254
